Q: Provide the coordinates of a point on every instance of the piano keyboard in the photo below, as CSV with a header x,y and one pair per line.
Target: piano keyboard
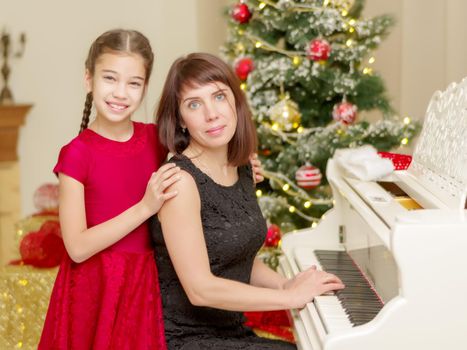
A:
x,y
355,305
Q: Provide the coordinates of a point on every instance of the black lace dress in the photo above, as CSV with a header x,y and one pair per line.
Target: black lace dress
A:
x,y
234,230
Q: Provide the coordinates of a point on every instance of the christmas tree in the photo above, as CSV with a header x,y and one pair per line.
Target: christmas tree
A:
x,y
306,68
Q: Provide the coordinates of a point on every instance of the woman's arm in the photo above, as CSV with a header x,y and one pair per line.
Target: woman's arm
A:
x,y
187,249
263,276
81,243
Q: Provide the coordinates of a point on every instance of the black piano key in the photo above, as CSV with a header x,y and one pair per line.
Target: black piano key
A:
x,y
362,304
358,290
361,311
358,299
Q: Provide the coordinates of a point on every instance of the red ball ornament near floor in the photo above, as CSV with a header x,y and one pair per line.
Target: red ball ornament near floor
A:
x,y
46,197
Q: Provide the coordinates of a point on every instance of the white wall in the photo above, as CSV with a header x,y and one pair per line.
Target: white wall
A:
x,y
50,74
424,52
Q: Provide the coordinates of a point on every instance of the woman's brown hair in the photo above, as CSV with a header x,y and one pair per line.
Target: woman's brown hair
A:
x,y
201,69
118,41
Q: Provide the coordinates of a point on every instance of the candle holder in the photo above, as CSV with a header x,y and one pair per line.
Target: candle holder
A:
x,y
6,97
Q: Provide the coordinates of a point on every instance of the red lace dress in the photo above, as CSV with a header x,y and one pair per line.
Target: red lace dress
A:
x,y
111,300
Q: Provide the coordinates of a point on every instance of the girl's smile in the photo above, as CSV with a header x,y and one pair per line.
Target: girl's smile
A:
x,y
118,86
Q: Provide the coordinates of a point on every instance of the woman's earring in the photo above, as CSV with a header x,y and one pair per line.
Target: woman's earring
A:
x,y
184,130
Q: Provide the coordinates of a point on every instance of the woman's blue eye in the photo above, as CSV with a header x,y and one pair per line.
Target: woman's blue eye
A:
x,y
109,77
135,84
194,105
220,97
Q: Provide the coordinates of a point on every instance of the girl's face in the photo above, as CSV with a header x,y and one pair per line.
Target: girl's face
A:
x,y
209,114
117,86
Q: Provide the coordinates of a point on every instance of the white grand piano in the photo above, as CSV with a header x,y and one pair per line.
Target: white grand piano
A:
x,y
399,245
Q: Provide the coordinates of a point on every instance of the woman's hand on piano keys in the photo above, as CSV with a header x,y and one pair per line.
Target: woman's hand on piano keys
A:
x,y
310,283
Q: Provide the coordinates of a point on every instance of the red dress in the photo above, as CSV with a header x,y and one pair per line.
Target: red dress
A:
x,y
111,300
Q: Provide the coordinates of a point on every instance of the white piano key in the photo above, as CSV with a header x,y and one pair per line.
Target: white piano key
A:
x,y
329,308
332,313
313,324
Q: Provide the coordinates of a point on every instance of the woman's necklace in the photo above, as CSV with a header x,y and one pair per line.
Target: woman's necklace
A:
x,y
217,176
203,167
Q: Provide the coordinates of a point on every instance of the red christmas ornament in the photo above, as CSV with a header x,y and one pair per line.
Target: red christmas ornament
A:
x,y
46,197
344,112
273,236
43,248
319,50
241,13
308,176
243,67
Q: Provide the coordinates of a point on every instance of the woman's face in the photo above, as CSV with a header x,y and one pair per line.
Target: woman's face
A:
x,y
208,112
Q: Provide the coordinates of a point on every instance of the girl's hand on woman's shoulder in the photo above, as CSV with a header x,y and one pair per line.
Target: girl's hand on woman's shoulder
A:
x,y
159,182
257,168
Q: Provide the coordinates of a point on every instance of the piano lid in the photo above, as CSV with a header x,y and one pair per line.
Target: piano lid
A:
x,y
440,158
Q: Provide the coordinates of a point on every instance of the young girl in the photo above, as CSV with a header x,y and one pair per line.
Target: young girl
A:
x,y
106,294
207,267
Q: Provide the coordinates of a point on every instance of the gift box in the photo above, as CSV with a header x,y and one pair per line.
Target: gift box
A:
x,y
24,298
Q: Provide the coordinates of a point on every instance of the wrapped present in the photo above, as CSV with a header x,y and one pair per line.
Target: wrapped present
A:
x,y
39,240
43,248
46,202
31,224
25,289
24,298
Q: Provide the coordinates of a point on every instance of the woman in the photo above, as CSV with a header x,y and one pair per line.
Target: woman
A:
x,y
206,238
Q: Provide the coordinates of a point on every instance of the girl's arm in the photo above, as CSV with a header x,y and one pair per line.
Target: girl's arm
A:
x,y
81,243
187,249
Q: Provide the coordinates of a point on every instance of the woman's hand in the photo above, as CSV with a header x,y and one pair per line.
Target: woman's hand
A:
x,y
160,180
310,283
256,167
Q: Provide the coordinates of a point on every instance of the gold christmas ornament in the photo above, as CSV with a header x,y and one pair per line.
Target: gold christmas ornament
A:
x,y
285,114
